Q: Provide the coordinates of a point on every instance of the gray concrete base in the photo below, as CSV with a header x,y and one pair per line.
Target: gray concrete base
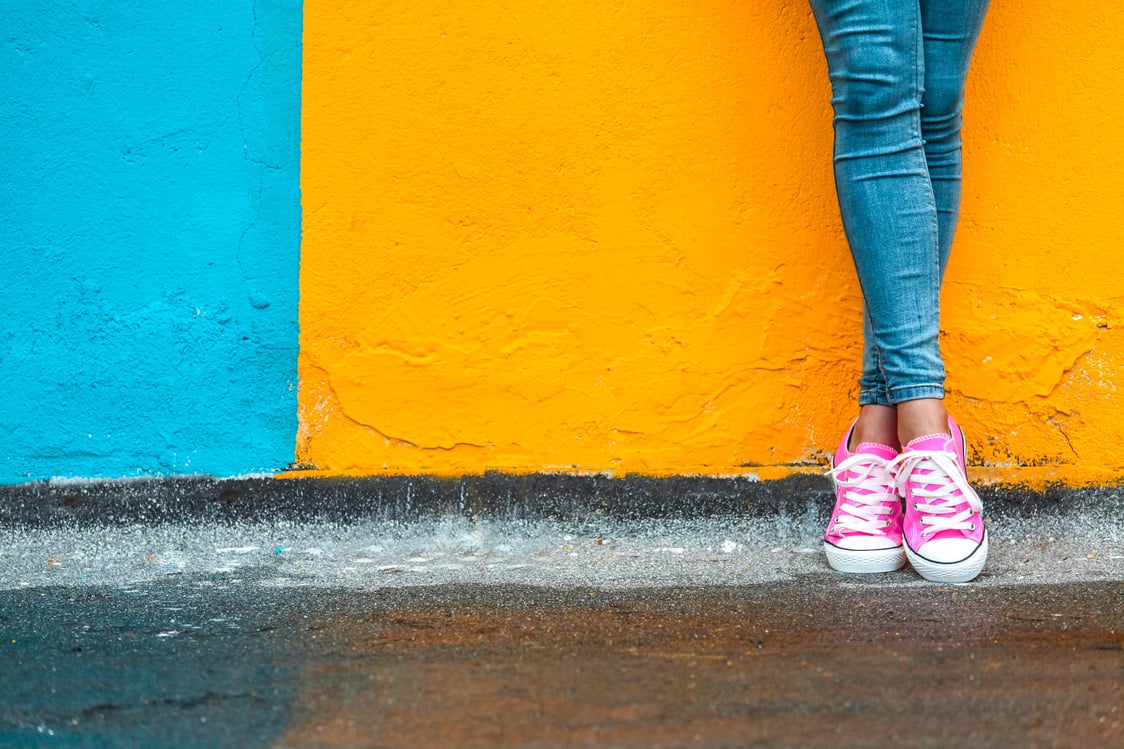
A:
x,y
501,529
491,496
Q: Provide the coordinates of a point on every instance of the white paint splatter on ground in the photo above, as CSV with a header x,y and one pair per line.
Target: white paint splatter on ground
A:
x,y
609,554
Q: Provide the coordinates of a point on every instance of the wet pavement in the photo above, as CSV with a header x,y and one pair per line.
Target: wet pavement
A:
x,y
174,621
189,661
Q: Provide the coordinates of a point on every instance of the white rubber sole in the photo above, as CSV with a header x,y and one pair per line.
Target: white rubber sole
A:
x,y
950,572
866,561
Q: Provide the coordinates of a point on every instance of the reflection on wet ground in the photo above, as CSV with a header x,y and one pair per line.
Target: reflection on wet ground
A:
x,y
192,661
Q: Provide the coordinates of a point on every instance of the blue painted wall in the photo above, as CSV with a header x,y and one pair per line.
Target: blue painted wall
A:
x,y
150,229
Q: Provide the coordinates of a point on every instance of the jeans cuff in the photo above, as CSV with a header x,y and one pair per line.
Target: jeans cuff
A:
x,y
916,392
874,398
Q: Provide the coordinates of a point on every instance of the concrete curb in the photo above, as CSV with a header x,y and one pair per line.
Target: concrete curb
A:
x,y
159,501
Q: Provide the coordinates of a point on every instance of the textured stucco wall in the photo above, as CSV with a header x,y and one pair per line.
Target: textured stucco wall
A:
x,y
151,224
603,236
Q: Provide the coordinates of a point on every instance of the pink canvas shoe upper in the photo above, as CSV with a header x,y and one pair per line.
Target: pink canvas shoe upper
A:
x,y
867,513
942,520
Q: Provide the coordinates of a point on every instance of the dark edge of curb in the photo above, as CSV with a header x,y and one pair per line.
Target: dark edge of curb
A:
x,y
499,496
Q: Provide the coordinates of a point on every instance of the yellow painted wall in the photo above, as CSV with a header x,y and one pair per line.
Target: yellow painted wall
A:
x,y
604,237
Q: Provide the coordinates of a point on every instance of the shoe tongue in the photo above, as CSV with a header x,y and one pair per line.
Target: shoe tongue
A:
x,y
931,442
873,448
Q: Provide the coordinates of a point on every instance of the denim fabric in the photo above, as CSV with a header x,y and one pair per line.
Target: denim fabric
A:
x,y
897,71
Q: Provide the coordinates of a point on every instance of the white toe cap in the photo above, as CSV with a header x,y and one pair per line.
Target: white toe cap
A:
x,y
865,543
948,550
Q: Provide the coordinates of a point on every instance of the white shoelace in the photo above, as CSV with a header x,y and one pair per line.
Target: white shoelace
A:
x,y
867,494
948,502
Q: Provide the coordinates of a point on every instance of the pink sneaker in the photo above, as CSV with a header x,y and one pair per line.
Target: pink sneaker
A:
x,y
945,537
865,532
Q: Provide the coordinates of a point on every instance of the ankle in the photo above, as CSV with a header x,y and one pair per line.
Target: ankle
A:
x,y
921,418
876,424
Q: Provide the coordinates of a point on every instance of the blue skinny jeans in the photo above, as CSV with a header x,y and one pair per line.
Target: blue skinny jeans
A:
x,y
897,70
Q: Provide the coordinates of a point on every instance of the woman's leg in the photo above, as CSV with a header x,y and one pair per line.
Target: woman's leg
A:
x,y
874,51
950,30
